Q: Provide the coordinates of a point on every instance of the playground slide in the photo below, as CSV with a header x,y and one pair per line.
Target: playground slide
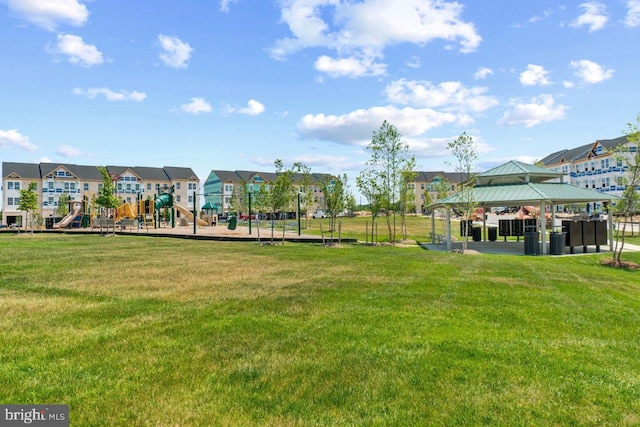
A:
x,y
189,215
67,219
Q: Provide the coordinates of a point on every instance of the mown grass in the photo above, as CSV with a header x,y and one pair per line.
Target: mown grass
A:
x,y
151,331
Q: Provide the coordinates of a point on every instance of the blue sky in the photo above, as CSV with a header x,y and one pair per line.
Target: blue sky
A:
x,y
236,84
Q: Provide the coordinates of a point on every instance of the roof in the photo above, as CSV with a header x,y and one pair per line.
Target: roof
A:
x,y
21,170
516,172
180,173
582,152
526,194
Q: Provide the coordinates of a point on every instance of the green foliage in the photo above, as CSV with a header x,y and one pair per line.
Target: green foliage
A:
x,y
28,201
629,203
464,150
383,181
63,205
334,190
106,197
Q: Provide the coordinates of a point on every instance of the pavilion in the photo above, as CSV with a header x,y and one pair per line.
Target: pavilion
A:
x,y
519,184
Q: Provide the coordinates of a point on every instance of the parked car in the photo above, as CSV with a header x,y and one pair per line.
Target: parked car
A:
x,y
319,214
506,210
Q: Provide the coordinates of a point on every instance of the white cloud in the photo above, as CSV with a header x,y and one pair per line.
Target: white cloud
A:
x,y
12,138
175,53
482,73
196,106
253,108
633,14
414,62
451,96
48,14
44,160
69,151
539,110
568,84
356,128
595,17
535,75
547,13
366,28
110,95
77,51
224,5
349,67
590,72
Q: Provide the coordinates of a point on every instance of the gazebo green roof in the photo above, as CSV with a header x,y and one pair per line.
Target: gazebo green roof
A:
x,y
520,184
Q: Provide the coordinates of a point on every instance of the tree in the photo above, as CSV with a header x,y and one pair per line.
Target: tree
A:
x,y
305,189
106,199
368,184
629,204
334,190
63,205
383,178
407,201
282,192
28,202
464,150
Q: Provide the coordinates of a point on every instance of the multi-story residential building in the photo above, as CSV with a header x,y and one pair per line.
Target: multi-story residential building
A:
x,y
431,186
221,186
77,181
597,166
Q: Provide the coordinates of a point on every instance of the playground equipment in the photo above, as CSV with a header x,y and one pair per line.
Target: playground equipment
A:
x,y
74,218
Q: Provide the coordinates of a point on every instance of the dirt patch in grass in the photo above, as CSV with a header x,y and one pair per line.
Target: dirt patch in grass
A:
x,y
629,265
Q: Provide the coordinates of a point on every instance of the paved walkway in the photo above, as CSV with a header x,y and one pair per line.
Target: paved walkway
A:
x,y
517,248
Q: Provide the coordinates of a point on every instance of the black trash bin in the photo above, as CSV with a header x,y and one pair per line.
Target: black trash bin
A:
x,y
477,234
531,244
493,234
556,243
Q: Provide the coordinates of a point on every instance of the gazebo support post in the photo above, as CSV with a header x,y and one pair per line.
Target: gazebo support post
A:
x,y
433,226
449,246
543,227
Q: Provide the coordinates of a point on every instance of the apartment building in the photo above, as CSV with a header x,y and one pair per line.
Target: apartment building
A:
x,y
597,166
78,181
430,186
222,185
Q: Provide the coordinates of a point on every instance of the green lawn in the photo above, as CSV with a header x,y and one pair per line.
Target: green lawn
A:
x,y
153,331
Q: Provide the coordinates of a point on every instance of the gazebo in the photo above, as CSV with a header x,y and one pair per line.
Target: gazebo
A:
x,y
519,184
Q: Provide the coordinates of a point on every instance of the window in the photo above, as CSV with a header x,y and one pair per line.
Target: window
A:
x,y
99,186
148,186
66,186
86,187
128,187
50,185
177,185
157,186
190,199
72,186
127,178
51,200
10,201
178,199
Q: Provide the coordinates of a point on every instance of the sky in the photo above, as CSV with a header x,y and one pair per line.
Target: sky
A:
x,y
237,84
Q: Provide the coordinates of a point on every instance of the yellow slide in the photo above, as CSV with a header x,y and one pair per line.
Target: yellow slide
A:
x,y
189,215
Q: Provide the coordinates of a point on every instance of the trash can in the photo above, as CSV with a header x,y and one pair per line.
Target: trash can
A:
x,y
233,220
556,243
493,234
531,245
477,234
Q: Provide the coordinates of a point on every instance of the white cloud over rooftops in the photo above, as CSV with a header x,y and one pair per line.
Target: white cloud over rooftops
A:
x,y
175,53
450,96
538,110
49,14
76,50
354,128
13,139
594,17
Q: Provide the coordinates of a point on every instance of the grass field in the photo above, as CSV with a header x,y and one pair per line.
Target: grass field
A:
x,y
152,331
